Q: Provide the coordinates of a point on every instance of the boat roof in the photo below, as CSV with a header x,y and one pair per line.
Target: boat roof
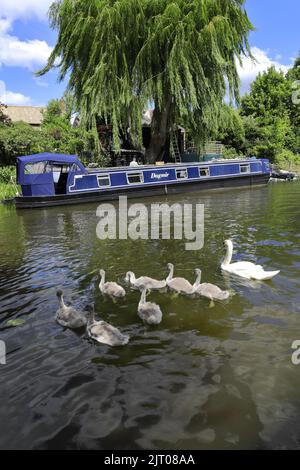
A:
x,y
168,165
55,157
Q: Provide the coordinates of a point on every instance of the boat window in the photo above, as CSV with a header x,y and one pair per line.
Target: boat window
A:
x,y
48,168
135,178
37,168
204,171
245,168
75,167
181,174
60,168
103,180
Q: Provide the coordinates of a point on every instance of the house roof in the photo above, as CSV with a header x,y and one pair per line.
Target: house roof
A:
x,y
31,114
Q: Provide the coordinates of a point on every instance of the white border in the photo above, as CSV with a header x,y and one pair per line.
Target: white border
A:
x,y
204,168
104,175
245,172
134,173
181,179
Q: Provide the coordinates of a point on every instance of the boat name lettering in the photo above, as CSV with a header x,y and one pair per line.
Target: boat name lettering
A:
x,y
158,176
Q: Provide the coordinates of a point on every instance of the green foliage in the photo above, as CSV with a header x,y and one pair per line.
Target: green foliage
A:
x,y
231,131
231,152
20,139
119,55
7,174
271,120
270,94
8,191
8,186
55,135
269,136
285,158
53,111
69,103
294,104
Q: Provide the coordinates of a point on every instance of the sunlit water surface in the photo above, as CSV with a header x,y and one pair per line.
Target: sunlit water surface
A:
x,y
218,377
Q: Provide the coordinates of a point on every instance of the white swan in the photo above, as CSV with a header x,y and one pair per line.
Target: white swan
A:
x,y
149,312
103,332
112,289
67,316
245,269
210,291
144,282
178,284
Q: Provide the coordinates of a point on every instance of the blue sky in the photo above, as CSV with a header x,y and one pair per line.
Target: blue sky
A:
x,y
26,41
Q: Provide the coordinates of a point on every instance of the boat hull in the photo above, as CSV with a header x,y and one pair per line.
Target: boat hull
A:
x,y
30,202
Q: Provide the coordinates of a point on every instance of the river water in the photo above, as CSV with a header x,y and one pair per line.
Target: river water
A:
x,y
207,377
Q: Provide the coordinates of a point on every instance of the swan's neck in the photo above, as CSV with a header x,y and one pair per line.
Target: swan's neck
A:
x,y
170,276
197,281
143,297
61,302
132,278
102,280
228,256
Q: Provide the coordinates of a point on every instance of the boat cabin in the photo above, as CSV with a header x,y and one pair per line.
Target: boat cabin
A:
x,y
47,174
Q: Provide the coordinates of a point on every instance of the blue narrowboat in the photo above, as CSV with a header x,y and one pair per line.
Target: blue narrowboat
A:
x,y
49,179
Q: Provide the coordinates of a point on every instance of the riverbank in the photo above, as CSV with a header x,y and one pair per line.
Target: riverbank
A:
x,y
7,191
8,186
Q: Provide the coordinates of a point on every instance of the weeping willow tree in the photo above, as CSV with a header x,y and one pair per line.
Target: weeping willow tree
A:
x,y
178,55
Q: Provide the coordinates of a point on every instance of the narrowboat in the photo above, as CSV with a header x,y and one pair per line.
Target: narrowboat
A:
x,y
49,179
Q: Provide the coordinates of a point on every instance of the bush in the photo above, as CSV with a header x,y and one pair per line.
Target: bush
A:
x,y
8,186
7,174
286,158
230,152
21,139
8,191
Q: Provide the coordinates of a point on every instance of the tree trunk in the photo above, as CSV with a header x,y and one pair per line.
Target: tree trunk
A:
x,y
160,129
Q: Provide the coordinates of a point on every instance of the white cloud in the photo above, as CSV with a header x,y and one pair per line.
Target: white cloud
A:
x,y
31,54
249,70
5,24
24,9
12,98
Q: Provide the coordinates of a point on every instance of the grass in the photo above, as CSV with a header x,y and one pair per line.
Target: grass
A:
x,y
8,190
8,186
293,167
